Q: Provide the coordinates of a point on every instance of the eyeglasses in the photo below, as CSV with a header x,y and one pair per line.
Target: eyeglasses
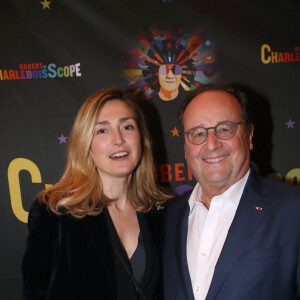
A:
x,y
165,69
223,131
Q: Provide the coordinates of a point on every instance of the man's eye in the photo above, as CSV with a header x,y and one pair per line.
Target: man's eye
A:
x,y
224,129
198,134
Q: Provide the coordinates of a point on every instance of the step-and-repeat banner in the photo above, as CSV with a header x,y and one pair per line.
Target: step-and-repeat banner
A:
x,y
54,54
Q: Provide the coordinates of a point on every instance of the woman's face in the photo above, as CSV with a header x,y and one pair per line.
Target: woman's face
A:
x,y
116,144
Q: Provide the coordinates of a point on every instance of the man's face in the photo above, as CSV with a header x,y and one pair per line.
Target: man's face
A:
x,y
167,79
217,164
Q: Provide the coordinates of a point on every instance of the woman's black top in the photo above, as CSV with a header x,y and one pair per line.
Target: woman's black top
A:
x,y
129,270
80,259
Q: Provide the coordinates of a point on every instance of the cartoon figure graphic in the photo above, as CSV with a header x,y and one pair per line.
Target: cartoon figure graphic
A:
x,y
169,77
167,63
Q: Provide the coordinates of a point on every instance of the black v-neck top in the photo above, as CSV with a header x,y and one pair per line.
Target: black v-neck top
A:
x,y
130,273
138,260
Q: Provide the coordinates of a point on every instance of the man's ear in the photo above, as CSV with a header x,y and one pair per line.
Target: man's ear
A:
x,y
250,136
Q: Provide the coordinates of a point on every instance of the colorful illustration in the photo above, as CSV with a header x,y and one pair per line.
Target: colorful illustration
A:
x,y
162,62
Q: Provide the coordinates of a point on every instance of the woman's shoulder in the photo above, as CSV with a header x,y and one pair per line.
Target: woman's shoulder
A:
x,y
155,217
40,209
40,215
44,223
157,211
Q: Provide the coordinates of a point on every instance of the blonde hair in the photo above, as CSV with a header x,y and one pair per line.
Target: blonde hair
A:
x,y
79,192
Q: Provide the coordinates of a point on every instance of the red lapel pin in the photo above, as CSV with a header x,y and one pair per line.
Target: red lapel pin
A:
x,y
258,208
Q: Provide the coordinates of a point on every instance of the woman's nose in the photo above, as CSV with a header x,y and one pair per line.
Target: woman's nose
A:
x,y
118,138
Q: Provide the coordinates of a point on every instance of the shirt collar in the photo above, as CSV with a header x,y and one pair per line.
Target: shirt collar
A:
x,y
195,197
233,194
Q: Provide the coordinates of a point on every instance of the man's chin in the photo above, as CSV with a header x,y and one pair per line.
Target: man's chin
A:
x,y
216,179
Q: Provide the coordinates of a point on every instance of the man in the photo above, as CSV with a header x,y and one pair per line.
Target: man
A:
x,y
236,235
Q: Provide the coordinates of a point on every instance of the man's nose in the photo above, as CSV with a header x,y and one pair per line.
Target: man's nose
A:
x,y
212,143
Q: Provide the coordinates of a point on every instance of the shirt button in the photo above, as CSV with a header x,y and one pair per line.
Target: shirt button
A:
x,y
198,288
203,254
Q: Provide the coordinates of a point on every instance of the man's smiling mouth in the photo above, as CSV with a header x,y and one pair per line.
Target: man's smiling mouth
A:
x,y
217,159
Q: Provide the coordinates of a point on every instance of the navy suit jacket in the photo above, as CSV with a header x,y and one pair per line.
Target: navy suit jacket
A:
x,y
260,259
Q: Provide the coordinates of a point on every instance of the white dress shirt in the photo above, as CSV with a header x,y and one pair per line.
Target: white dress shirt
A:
x,y
207,231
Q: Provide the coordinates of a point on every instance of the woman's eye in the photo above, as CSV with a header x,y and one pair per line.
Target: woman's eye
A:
x,y
101,131
128,127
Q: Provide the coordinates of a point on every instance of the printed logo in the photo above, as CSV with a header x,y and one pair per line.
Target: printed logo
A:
x,y
273,57
41,71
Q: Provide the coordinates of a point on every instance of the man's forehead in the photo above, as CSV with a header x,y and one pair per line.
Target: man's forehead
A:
x,y
213,94
213,106
213,98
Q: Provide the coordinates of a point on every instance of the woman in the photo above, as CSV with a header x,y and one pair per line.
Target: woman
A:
x,y
95,234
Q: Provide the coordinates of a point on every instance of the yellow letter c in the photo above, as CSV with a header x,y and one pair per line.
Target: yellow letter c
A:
x,y
14,169
263,56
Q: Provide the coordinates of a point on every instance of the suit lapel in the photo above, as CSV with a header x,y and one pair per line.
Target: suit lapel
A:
x,y
181,247
251,210
98,234
148,244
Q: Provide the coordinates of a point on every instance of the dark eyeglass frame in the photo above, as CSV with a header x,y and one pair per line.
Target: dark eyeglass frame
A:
x,y
215,132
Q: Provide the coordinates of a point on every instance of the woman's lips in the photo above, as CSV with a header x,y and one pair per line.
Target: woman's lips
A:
x,y
119,154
